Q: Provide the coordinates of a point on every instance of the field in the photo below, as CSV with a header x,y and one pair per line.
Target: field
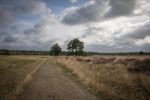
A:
x,y
13,71
112,77
108,77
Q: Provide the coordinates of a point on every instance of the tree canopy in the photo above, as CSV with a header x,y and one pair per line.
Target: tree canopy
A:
x,y
55,50
75,47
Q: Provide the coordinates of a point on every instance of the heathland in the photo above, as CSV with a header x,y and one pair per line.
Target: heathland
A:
x,y
112,77
107,77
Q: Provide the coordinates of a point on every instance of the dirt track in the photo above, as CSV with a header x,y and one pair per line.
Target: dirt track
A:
x,y
51,83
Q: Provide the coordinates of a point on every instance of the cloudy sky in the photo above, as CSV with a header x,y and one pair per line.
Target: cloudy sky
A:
x,y
103,25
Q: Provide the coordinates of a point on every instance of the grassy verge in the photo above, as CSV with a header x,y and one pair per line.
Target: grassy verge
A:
x,y
13,70
76,79
113,78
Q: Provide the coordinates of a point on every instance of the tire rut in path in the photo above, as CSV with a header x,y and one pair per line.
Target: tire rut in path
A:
x,y
50,83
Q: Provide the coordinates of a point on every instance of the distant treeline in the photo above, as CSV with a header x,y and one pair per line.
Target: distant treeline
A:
x,y
22,52
119,53
25,52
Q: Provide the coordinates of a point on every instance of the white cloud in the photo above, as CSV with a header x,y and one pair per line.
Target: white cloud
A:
x,y
50,30
121,32
142,7
103,25
73,1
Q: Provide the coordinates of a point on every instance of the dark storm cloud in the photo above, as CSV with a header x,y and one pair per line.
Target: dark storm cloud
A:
x,y
145,47
140,33
96,10
121,7
10,39
89,12
10,9
23,6
11,24
6,17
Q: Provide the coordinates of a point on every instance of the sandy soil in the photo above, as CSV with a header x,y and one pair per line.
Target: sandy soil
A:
x,y
51,83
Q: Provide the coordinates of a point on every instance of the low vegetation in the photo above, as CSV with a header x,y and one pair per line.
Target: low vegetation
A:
x,y
13,69
113,77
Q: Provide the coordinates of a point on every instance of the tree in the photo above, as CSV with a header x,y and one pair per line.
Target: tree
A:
x,y
141,52
55,50
75,47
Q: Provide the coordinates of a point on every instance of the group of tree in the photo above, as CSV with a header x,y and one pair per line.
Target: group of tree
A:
x,y
74,47
22,52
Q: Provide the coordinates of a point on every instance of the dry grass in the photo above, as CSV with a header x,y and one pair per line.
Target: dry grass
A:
x,y
13,70
113,77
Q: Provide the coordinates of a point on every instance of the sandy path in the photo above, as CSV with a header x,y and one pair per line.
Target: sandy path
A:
x,y
51,83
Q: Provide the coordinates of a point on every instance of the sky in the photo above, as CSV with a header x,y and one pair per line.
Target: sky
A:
x,y
103,25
